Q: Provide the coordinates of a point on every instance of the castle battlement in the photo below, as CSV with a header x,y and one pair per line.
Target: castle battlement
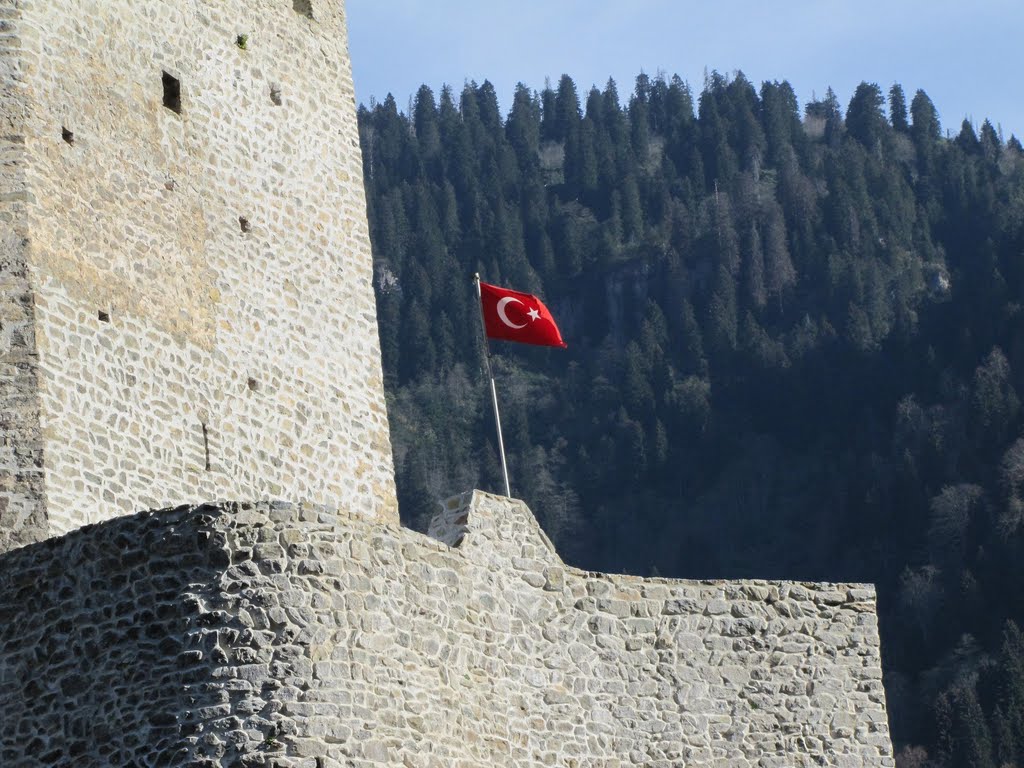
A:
x,y
294,635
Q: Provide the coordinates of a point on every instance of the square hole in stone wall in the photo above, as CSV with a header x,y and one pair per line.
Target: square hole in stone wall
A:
x,y
67,135
275,95
172,93
305,7
104,317
243,224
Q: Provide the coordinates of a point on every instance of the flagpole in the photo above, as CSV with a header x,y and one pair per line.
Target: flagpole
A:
x,y
494,391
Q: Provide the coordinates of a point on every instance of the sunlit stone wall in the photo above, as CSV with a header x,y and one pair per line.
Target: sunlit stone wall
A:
x,y
186,185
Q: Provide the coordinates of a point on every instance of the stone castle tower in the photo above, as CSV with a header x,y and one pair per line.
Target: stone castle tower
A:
x,y
186,305
186,318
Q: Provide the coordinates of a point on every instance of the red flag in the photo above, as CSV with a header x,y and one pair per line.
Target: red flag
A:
x,y
513,316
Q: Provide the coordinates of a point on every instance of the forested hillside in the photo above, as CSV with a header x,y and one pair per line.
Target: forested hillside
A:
x,y
796,349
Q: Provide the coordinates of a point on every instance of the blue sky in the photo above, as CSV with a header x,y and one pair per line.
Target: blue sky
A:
x,y
967,57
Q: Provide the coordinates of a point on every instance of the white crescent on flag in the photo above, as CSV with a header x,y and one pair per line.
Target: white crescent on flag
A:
x,y
501,311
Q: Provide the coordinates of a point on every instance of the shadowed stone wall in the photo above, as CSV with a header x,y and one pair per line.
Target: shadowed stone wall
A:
x,y
22,502
292,636
186,309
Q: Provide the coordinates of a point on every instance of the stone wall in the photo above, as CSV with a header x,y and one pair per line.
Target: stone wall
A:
x,y
284,635
200,271
22,503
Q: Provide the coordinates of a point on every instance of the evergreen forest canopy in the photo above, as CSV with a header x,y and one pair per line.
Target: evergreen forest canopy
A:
x,y
796,347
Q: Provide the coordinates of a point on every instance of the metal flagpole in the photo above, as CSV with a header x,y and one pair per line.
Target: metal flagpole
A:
x,y
494,391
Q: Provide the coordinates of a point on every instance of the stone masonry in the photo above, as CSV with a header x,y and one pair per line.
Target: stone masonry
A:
x,y
290,635
186,308
22,510
186,315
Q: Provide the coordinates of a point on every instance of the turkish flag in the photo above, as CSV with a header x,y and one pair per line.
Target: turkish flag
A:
x,y
513,316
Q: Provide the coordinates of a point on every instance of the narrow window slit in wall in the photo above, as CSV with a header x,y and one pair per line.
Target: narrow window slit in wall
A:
x,y
67,135
275,95
103,316
305,7
243,224
206,445
172,93
253,384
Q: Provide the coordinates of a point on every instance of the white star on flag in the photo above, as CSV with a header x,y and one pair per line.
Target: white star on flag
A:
x,y
534,314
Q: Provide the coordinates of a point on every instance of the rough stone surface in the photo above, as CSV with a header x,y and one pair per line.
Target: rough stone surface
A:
x,y
22,502
186,309
270,634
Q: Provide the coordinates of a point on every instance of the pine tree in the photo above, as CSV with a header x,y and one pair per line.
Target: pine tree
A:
x,y
523,128
753,269
898,109
781,117
991,146
972,745
967,140
723,322
640,119
632,210
614,121
951,514
926,126
994,402
567,110
428,132
779,272
744,123
829,110
487,106
719,158
726,243
864,119
690,352
1011,695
